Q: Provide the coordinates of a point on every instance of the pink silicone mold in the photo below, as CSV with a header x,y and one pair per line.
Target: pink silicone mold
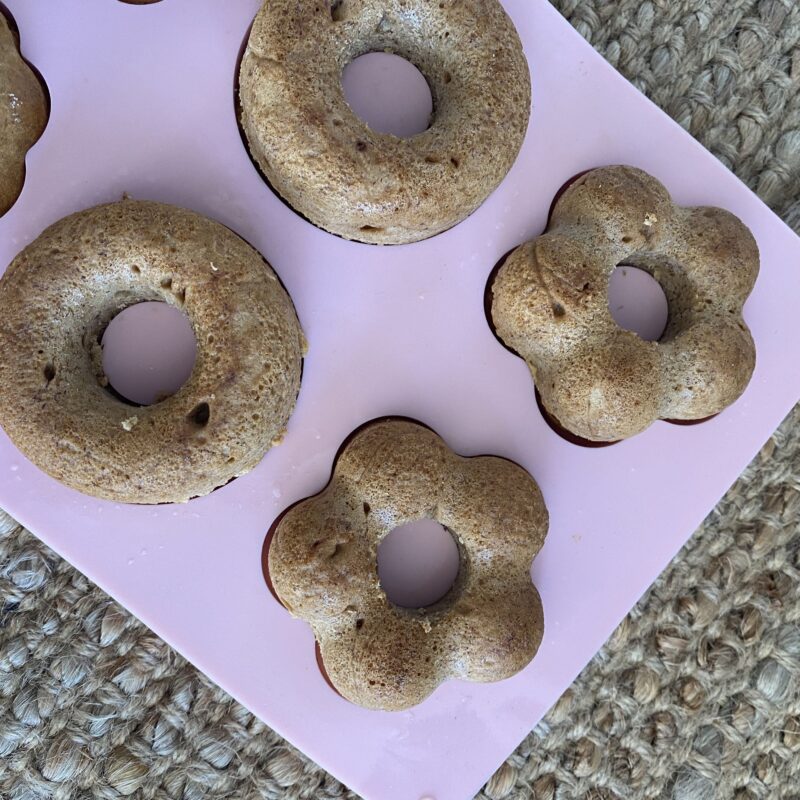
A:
x,y
142,103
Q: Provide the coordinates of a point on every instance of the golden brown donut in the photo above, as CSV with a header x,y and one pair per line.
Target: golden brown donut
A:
x,y
550,305
57,298
23,114
328,164
323,566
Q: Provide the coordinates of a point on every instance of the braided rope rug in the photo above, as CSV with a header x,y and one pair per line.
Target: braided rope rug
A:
x,y
697,694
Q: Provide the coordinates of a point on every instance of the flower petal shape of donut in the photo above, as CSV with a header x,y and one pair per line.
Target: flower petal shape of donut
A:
x,y
23,115
322,563
550,305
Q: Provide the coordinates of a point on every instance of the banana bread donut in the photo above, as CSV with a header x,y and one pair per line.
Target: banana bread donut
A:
x,y
58,296
23,114
550,305
330,166
322,564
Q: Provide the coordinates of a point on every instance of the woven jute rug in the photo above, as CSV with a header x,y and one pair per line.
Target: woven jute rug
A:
x,y
697,694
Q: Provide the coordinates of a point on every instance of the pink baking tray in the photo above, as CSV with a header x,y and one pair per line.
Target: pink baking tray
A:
x,y
142,102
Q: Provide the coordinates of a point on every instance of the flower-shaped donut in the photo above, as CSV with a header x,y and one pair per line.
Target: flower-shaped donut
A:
x,y
322,563
23,114
550,305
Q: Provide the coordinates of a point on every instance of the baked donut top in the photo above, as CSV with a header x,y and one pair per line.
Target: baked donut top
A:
x,y
23,114
58,296
550,305
323,566
330,166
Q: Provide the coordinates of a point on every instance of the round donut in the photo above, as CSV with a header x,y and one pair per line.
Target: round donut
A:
x,y
322,565
58,296
23,115
371,187
550,305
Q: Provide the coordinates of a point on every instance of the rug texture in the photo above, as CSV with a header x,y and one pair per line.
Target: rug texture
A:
x,y
697,694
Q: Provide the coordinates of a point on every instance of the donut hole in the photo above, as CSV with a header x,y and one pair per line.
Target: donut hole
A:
x,y
149,351
637,302
388,93
418,563
321,667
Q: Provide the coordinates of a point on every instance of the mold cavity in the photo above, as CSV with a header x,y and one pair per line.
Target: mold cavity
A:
x,y
389,94
455,162
417,563
265,556
49,372
488,298
321,666
200,415
370,229
166,283
691,421
562,189
149,350
637,302
367,508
